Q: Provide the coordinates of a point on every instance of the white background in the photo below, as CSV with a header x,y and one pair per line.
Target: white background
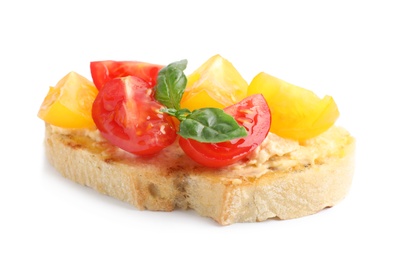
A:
x,y
347,49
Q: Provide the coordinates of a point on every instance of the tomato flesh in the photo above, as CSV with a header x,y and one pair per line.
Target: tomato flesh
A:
x,y
298,113
103,71
216,83
69,103
254,114
128,116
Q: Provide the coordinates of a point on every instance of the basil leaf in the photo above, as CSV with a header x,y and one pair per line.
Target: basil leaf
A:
x,y
207,125
171,83
211,125
180,114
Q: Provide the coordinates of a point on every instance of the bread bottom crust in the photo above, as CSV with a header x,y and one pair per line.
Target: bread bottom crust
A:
x,y
170,181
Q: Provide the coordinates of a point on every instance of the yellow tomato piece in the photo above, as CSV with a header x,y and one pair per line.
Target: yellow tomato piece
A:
x,y
297,113
216,83
69,103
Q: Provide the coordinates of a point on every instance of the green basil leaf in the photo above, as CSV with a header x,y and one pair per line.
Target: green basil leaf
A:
x,y
180,114
171,83
211,125
208,125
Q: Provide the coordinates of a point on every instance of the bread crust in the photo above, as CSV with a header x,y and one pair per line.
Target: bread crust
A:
x,y
170,180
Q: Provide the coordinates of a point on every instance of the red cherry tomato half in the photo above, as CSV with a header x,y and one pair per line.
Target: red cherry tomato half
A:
x,y
254,114
127,115
103,71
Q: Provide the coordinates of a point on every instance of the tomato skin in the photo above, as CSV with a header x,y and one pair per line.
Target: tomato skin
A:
x,y
299,114
127,115
103,71
216,83
254,114
69,103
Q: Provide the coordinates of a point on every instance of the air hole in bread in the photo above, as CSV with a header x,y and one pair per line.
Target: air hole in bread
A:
x,y
154,190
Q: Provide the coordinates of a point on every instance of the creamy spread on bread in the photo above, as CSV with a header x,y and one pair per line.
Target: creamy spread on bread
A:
x,y
275,154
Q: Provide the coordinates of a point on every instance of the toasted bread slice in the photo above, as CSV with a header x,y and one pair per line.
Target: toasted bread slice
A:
x,y
281,178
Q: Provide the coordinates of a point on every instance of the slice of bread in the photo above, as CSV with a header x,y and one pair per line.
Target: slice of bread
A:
x,y
281,178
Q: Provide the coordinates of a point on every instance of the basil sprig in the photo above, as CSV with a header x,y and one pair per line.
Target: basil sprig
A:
x,y
206,125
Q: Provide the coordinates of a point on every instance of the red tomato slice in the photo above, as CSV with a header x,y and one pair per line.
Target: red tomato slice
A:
x,y
254,114
127,115
103,71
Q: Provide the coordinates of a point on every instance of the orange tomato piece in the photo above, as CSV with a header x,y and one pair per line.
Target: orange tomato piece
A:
x,y
216,83
69,103
297,113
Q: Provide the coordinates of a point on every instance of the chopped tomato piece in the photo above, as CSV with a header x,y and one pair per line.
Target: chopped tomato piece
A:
x,y
128,116
216,83
69,103
103,71
253,113
297,113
